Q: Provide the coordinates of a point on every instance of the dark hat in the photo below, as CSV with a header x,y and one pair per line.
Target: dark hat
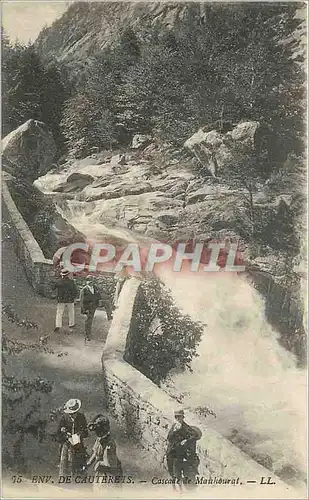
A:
x,y
179,413
100,424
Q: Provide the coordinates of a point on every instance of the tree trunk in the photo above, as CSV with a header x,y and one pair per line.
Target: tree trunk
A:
x,y
252,215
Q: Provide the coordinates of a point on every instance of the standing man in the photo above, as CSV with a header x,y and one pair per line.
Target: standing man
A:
x,y
90,299
182,459
66,294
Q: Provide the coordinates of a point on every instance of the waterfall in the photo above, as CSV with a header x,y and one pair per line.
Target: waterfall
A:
x,y
241,372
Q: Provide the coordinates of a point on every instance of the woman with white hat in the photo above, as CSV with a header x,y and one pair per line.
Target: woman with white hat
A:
x,y
71,432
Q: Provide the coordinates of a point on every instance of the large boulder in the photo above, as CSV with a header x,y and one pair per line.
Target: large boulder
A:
x,y
119,159
213,149
74,183
29,150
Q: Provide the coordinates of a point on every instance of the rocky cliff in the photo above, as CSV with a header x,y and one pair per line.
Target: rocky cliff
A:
x,y
90,26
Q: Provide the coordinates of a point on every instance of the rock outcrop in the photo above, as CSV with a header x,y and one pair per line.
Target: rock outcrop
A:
x,y
75,182
90,26
212,148
29,150
140,141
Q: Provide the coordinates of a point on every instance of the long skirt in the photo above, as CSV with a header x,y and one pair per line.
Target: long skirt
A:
x,y
73,459
107,476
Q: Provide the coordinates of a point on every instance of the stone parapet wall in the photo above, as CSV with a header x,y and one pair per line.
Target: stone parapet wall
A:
x,y
145,411
39,270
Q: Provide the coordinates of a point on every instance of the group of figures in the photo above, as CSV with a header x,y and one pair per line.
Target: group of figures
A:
x,y
90,297
181,456
74,459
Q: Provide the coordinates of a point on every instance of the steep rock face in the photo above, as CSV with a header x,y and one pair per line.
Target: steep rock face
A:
x,y
89,26
29,150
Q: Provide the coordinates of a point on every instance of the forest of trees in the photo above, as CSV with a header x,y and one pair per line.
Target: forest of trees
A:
x,y
170,82
234,63
31,89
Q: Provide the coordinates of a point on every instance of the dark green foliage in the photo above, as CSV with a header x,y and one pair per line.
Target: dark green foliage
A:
x,y
245,170
173,341
277,229
284,228
30,89
235,63
19,393
99,115
271,223
22,398
78,119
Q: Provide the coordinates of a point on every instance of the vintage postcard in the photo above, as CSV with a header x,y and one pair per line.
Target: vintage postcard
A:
x,y
154,249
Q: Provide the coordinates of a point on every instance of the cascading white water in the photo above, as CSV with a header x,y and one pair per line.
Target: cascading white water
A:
x,y
241,372
85,217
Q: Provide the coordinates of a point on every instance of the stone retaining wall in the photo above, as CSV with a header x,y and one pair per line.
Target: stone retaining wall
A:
x,y
145,411
39,270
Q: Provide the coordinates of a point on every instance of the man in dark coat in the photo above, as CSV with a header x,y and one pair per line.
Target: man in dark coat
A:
x,y
90,299
182,459
72,431
66,294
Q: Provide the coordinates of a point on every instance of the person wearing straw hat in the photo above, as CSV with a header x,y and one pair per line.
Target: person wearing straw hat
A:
x,y
66,294
72,431
182,459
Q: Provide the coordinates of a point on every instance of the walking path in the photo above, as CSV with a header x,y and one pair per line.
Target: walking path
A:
x,y
76,374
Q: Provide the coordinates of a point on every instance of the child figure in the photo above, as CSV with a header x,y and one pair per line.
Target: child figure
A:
x,y
104,453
